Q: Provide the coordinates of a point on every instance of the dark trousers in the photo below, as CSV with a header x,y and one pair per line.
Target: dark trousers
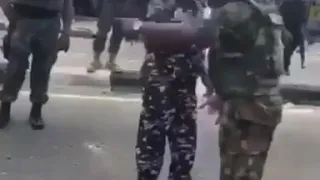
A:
x,y
169,111
298,41
36,37
116,38
109,11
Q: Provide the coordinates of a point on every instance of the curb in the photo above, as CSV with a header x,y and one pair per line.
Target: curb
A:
x,y
126,79
77,32
295,93
82,33
130,81
301,94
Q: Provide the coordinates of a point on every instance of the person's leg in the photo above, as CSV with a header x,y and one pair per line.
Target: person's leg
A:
x,y
302,47
104,26
151,138
17,65
182,131
244,149
288,51
44,57
114,47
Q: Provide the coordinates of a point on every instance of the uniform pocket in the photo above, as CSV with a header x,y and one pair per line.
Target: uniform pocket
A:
x,y
264,111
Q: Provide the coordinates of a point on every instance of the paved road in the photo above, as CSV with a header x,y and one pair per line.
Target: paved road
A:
x,y
305,76
70,68
94,138
130,58
91,132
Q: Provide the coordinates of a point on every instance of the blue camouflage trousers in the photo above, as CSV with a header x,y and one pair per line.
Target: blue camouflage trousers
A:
x,y
169,111
39,38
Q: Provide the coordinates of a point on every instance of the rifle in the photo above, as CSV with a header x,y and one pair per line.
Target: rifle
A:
x,y
172,37
168,36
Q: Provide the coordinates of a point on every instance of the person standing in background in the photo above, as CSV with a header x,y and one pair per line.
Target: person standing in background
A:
x,y
294,13
35,24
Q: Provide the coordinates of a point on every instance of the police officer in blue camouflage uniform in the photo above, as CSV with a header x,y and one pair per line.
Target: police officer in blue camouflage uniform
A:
x,y
36,31
169,110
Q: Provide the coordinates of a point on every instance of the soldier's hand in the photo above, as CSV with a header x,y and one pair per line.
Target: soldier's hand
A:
x,y
213,103
64,42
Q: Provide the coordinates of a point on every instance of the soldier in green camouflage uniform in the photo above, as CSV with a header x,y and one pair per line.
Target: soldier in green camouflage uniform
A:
x,y
245,65
36,32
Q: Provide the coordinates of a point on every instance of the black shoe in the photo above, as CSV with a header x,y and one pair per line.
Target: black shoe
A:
x,y
36,123
5,115
35,120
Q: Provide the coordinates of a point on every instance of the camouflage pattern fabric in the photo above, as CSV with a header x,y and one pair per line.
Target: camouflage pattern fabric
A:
x,y
169,110
246,121
245,136
31,36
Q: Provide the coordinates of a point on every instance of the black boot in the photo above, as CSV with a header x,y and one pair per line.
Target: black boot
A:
x,y
35,120
5,114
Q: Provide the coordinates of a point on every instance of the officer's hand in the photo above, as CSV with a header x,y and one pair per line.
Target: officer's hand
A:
x,y
64,42
214,104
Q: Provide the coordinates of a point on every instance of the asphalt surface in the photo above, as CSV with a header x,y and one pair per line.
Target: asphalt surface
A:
x,y
309,75
94,138
91,131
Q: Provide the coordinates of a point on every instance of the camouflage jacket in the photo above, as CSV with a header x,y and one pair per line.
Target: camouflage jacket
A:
x,y
266,106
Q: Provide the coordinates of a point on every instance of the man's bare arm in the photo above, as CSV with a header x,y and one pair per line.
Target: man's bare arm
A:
x,y
67,16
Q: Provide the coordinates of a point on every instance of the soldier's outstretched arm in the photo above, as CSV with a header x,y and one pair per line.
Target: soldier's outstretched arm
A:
x,y
67,16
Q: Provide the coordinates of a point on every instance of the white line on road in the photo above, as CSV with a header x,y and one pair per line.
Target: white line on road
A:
x,y
85,97
287,109
78,71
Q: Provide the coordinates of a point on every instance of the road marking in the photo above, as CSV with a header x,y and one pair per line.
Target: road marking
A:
x,y
287,110
85,97
70,70
298,111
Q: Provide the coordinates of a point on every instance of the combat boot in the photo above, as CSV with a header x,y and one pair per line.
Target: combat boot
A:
x,y
35,120
111,64
5,114
95,64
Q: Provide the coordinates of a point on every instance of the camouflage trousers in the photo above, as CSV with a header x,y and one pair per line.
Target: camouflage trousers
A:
x,y
169,111
39,38
244,138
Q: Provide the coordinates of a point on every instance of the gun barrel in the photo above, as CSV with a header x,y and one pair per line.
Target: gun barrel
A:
x,y
173,35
